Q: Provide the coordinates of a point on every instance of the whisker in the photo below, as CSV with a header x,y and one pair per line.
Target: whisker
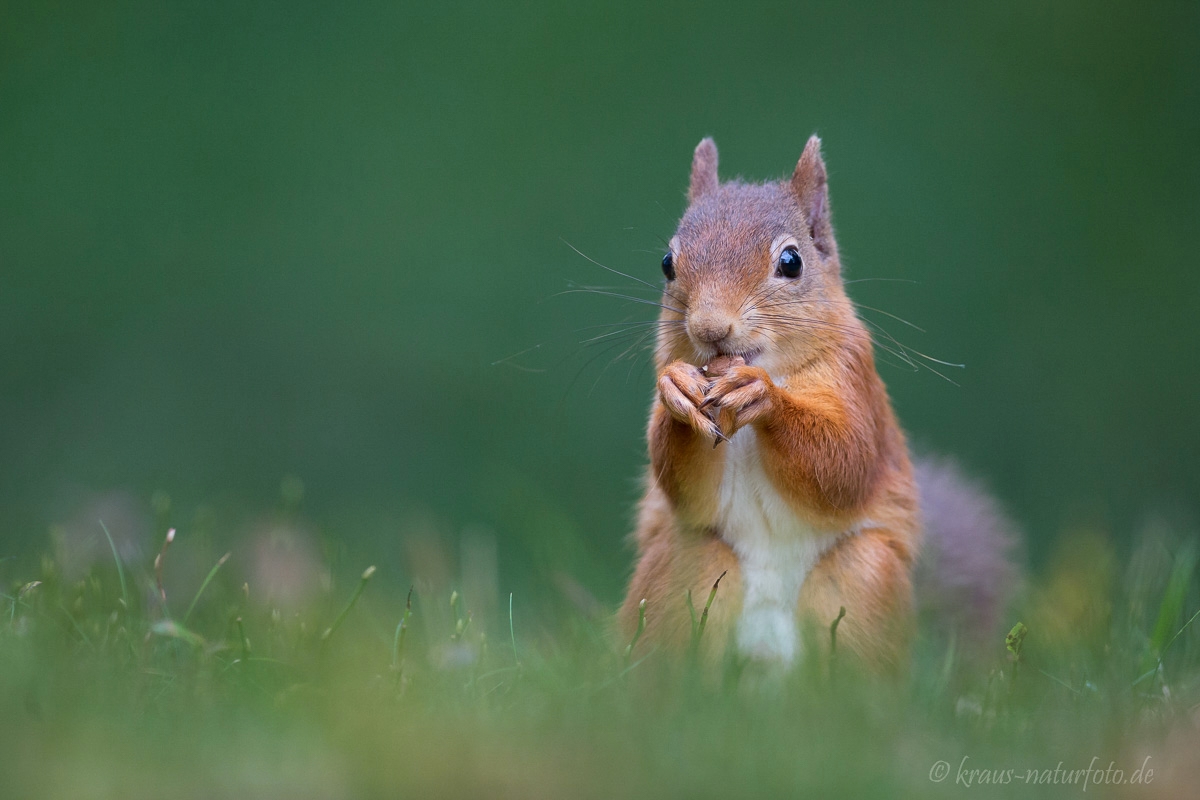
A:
x,y
508,359
618,334
913,350
901,351
632,322
622,274
798,301
906,349
765,293
893,316
627,351
575,379
912,367
786,320
584,366
612,287
628,297
673,221
788,324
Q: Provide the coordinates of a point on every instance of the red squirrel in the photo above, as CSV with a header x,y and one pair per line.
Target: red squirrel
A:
x,y
775,457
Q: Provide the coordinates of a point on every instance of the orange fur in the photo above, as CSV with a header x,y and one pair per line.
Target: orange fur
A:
x,y
824,431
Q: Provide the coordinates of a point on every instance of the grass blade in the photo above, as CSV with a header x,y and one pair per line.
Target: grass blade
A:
x,y
512,630
1166,647
207,580
120,567
173,630
401,635
158,571
687,596
712,595
337,623
1171,607
833,626
641,626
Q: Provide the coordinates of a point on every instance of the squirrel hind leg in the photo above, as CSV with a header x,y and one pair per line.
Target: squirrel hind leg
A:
x,y
968,569
865,575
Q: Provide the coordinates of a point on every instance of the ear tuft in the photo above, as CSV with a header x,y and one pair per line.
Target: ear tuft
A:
x,y
704,170
811,186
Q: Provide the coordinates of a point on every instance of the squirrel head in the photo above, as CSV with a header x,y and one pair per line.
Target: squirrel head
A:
x,y
753,269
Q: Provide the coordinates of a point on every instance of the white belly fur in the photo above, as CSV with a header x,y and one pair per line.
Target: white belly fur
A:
x,y
775,549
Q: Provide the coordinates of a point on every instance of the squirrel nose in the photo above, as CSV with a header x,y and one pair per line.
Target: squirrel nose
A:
x,y
709,330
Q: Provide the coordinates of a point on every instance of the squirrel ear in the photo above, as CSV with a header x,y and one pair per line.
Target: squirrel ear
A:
x,y
811,186
704,170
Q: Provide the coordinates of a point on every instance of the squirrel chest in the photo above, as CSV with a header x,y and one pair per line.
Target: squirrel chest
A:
x,y
775,548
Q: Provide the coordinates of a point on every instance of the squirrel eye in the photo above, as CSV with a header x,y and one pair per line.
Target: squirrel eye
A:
x,y
790,263
669,267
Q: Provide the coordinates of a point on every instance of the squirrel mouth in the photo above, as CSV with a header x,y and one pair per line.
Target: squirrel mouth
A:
x,y
747,356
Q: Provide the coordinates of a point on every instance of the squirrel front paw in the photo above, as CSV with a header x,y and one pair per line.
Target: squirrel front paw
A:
x,y
681,388
741,395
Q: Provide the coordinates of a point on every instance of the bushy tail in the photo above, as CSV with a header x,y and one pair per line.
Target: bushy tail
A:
x,y
969,565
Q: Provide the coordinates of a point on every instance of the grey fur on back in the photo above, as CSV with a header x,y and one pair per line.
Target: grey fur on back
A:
x,y
968,568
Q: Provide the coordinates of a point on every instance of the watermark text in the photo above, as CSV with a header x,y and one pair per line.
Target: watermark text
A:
x,y
1096,773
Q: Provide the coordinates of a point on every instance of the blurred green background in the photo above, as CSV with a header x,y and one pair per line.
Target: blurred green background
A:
x,y
240,242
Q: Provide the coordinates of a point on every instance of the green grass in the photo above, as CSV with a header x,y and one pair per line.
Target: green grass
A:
x,y
376,690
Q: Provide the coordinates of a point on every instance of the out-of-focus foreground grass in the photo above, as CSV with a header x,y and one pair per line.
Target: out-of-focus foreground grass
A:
x,y
114,682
